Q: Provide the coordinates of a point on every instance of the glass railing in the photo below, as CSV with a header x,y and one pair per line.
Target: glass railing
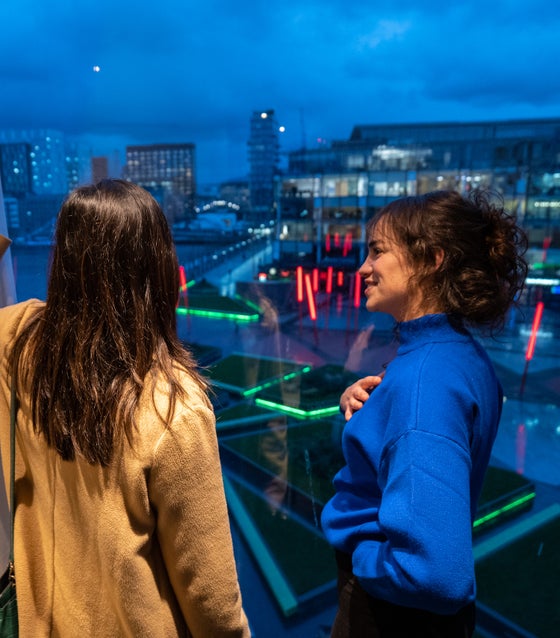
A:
x,y
277,370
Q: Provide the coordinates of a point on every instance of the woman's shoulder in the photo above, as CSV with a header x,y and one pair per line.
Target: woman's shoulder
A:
x,y
192,399
16,315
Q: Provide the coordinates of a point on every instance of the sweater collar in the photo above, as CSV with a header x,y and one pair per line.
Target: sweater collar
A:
x,y
428,329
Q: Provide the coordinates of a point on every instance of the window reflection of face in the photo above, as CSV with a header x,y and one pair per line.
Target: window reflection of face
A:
x,y
386,273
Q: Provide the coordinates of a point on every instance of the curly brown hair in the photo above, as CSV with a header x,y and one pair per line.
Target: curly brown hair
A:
x,y
483,267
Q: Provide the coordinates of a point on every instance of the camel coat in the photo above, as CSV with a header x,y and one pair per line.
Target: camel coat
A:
x,y
141,548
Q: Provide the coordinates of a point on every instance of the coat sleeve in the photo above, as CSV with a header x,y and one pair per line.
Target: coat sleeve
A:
x,y
186,488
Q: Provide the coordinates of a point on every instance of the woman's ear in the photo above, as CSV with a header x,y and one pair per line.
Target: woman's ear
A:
x,y
438,256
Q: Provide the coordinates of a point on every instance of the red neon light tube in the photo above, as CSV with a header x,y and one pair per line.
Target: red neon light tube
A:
x,y
310,298
182,278
329,279
315,279
534,330
299,284
339,278
357,290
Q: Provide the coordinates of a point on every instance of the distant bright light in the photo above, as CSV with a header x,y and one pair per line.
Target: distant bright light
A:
x,y
282,129
96,69
264,115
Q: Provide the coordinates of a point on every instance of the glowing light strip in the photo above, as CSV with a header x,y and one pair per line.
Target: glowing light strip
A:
x,y
248,302
329,279
357,290
299,283
506,508
310,298
315,279
297,412
542,281
268,384
182,278
215,314
534,330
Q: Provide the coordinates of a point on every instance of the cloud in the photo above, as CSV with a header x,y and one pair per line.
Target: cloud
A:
x,y
191,71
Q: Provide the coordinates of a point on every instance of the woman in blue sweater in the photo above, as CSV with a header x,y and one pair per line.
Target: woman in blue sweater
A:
x,y
417,450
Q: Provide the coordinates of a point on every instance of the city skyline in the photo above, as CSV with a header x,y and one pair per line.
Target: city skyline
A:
x,y
126,74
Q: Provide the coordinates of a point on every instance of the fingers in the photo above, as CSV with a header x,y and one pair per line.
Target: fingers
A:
x,y
354,397
369,383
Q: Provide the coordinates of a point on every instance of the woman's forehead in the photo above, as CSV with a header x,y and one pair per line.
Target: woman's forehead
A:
x,y
382,230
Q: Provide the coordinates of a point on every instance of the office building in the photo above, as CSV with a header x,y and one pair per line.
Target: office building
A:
x,y
15,168
47,155
168,172
329,192
263,163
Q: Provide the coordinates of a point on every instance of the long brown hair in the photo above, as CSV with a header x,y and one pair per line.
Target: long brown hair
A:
x,y
109,321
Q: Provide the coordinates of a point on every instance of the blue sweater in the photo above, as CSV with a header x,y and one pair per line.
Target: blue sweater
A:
x,y
416,455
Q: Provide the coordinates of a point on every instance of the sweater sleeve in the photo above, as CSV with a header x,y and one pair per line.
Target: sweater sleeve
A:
x,y
424,559
186,488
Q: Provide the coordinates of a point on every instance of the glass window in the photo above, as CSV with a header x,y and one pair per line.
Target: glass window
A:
x,y
274,313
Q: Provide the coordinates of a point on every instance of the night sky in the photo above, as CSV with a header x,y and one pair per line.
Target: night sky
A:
x,y
184,71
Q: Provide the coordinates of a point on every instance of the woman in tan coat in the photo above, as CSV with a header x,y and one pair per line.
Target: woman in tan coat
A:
x,y
121,526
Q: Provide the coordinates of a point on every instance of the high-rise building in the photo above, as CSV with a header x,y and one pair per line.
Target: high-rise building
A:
x,y
168,172
77,160
15,168
264,152
47,156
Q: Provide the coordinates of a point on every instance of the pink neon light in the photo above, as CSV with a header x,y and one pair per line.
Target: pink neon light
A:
x,y
310,298
337,240
534,330
328,243
315,279
357,290
329,279
299,284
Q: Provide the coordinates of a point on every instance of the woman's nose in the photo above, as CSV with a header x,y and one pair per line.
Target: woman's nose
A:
x,y
365,268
